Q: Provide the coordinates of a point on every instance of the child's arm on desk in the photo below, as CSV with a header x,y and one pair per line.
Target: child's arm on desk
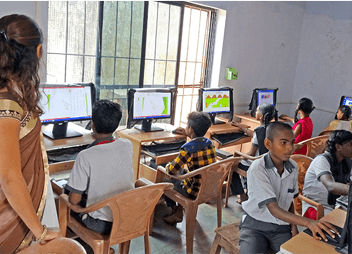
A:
x,y
243,128
315,226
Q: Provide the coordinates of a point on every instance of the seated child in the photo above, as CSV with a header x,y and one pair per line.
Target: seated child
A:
x,y
104,169
196,153
343,117
303,127
265,113
327,176
272,186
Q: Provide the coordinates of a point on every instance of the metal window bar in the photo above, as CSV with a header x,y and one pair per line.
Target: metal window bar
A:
x,y
113,84
98,50
66,42
84,39
209,54
167,44
156,37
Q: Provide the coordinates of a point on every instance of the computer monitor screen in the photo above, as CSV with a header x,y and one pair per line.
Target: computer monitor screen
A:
x,y
147,104
64,103
151,105
215,101
261,95
267,96
345,100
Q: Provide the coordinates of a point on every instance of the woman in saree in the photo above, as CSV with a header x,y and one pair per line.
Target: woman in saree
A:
x,y
24,171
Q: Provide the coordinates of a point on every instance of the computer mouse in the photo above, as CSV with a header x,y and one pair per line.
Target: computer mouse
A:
x,y
331,239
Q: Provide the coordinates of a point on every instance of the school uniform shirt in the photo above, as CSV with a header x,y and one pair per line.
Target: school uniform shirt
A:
x,y
306,133
265,186
196,153
313,188
103,171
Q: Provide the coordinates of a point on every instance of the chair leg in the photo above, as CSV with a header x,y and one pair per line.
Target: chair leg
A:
x,y
151,223
64,214
124,248
191,214
219,210
228,186
146,243
215,248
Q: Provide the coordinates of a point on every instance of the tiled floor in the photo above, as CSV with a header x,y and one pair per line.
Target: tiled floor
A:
x,y
172,239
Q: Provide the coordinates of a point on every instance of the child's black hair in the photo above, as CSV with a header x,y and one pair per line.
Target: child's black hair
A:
x,y
274,127
200,122
106,116
339,172
337,137
306,105
269,113
346,111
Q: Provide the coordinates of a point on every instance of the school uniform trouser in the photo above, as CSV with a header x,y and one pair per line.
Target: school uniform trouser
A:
x,y
97,225
259,236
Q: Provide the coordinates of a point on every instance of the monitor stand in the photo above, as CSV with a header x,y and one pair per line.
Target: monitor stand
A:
x,y
215,121
61,131
147,126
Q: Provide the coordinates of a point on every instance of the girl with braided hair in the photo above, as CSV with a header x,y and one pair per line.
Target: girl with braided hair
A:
x,y
265,114
24,170
303,128
328,175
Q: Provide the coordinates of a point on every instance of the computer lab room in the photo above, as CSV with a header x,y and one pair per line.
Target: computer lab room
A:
x,y
175,127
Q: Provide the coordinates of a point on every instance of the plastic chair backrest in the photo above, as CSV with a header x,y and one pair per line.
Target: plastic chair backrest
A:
x,y
212,179
303,163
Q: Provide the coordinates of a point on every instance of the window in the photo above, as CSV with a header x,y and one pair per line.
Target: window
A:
x,y
72,41
119,45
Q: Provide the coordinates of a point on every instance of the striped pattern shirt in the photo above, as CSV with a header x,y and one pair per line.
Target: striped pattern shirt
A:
x,y
195,154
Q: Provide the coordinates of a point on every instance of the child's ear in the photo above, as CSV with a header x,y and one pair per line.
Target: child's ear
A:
x,y
267,143
338,147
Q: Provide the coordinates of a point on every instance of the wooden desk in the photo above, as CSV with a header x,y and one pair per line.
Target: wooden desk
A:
x,y
54,144
254,123
137,137
304,243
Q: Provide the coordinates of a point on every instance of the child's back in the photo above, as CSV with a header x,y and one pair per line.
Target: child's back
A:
x,y
303,128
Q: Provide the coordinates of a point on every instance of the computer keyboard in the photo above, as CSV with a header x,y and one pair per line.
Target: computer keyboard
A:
x,y
226,138
163,148
343,201
65,154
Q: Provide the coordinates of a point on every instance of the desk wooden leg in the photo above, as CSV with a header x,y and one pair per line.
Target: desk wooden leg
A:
x,y
215,248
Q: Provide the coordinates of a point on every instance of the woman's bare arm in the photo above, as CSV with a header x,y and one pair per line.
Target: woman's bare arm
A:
x,y
12,181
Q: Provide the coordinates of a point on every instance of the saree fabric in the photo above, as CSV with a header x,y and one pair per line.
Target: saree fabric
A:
x,y
14,234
